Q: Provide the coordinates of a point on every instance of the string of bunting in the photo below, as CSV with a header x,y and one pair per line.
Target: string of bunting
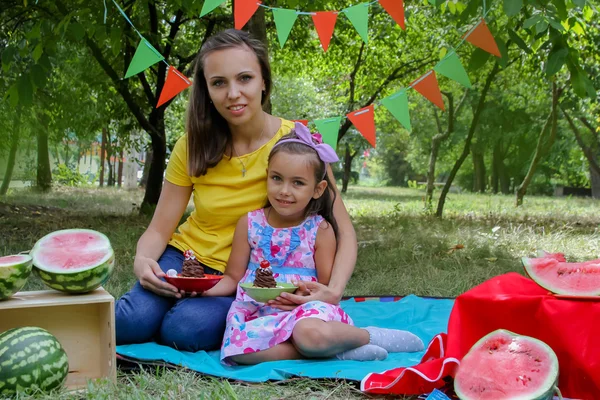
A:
x,y
363,119
324,21
449,66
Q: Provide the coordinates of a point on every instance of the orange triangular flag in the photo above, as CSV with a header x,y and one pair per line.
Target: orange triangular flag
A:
x,y
396,10
364,121
243,11
324,23
427,85
302,121
482,38
174,84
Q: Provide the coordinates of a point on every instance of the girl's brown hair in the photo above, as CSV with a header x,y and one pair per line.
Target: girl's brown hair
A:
x,y
324,204
208,133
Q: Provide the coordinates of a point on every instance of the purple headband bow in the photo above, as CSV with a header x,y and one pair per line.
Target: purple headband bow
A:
x,y
324,151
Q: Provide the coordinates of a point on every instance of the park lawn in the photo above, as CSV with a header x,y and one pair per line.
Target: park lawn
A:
x,y
402,250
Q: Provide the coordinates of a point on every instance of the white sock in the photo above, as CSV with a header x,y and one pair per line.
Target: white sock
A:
x,y
394,340
367,352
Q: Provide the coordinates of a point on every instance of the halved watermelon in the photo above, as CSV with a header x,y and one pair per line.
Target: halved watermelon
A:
x,y
73,260
14,271
504,365
552,272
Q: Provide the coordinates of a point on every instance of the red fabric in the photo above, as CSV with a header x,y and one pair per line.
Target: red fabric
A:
x,y
516,303
421,378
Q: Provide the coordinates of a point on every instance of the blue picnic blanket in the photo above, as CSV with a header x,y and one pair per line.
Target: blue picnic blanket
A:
x,y
425,317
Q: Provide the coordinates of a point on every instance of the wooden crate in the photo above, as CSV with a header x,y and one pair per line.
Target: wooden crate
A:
x,y
84,324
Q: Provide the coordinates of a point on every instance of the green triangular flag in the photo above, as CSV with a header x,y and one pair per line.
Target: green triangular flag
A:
x,y
145,56
451,67
284,21
359,16
397,104
210,5
329,129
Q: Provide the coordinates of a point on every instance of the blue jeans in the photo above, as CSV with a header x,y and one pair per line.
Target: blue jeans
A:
x,y
189,324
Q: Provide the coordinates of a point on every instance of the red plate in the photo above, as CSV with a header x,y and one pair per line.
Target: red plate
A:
x,y
194,284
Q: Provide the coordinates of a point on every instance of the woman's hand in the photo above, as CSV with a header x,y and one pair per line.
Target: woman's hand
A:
x,y
307,291
148,272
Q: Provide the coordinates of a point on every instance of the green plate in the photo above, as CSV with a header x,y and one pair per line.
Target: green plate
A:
x,y
265,294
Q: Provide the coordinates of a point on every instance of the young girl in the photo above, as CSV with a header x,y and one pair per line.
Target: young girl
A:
x,y
296,234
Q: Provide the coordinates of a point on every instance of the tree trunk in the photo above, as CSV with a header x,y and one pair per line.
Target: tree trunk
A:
x,y
348,157
146,170
102,155
44,173
478,171
543,146
467,147
595,183
109,160
499,180
120,174
587,150
67,153
12,155
435,147
157,165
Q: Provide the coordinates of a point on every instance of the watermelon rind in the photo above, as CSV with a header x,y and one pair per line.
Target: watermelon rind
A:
x,y
545,390
31,360
14,272
553,287
79,280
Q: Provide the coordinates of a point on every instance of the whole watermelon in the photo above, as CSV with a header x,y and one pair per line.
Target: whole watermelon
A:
x,y
31,359
73,260
14,271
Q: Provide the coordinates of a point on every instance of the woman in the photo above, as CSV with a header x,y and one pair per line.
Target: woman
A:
x,y
222,161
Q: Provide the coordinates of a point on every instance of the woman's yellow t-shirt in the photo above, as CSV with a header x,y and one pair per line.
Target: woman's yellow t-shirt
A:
x,y
221,197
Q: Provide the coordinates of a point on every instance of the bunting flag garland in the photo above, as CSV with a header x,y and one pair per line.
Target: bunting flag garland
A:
x,y
396,10
284,21
243,11
175,83
324,24
427,85
145,56
359,16
364,121
481,37
324,20
397,104
329,129
452,68
210,5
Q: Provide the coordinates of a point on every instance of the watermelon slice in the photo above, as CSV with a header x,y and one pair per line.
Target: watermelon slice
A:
x,y
73,260
504,365
552,272
14,271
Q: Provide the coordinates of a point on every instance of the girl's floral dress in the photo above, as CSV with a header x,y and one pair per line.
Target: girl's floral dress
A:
x,y
254,326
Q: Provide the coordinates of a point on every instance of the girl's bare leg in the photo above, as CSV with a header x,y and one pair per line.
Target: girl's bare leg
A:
x,y
316,338
282,351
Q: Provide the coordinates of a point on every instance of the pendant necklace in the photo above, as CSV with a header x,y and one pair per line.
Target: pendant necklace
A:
x,y
244,170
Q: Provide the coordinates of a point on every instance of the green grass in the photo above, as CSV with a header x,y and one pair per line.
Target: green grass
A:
x,y
402,250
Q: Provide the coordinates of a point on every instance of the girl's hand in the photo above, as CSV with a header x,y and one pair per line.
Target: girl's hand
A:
x,y
148,272
306,292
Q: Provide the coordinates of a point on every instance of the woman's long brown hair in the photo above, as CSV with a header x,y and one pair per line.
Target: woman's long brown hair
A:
x,y
208,133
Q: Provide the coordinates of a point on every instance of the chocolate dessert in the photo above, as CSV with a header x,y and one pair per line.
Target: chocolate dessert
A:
x,y
264,276
191,267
